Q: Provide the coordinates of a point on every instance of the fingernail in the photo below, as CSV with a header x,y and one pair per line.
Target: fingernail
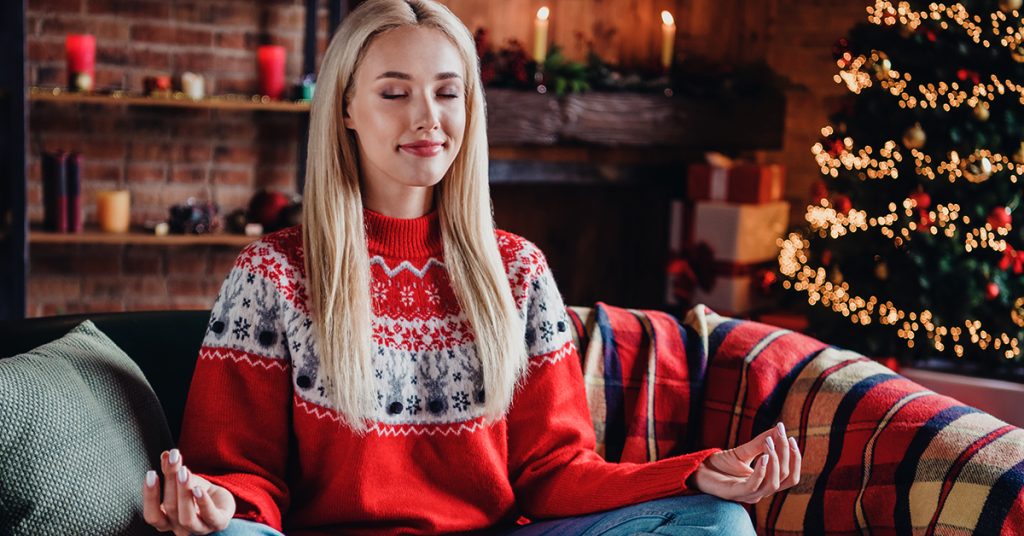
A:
x,y
782,428
182,474
771,444
792,441
150,479
174,456
197,492
764,460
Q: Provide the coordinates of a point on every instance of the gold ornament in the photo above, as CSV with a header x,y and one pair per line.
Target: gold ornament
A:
x,y
914,137
977,171
881,65
981,111
1018,156
882,271
1017,314
837,275
1007,6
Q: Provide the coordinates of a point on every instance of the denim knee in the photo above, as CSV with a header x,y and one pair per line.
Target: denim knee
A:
x,y
729,517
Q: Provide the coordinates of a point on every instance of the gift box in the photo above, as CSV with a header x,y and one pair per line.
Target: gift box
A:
x,y
736,183
741,234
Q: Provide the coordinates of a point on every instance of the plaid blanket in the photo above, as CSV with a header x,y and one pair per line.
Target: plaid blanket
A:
x,y
882,455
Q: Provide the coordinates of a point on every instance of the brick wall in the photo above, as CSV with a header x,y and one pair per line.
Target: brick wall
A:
x,y
162,155
165,156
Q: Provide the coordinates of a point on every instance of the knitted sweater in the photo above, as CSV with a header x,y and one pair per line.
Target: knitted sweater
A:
x,y
257,421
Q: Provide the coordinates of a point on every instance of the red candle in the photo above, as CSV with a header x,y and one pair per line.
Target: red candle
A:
x,y
81,59
271,63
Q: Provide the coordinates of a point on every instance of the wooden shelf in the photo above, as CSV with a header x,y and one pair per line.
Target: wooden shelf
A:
x,y
39,94
138,237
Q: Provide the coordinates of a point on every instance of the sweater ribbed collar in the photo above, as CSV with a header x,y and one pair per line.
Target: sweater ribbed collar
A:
x,y
403,238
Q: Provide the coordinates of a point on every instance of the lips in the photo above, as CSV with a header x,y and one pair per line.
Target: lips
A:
x,y
423,148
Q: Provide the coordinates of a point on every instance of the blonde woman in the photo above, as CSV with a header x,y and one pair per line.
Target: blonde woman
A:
x,y
397,365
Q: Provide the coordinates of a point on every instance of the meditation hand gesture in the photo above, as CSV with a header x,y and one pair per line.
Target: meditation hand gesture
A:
x,y
191,504
729,475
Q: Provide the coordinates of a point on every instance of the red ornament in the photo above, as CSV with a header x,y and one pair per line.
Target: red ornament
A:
x,y
826,257
836,147
999,218
925,221
842,203
766,279
1012,259
818,192
922,199
930,34
991,291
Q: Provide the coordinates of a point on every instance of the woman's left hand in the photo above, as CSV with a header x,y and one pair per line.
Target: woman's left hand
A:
x,y
729,475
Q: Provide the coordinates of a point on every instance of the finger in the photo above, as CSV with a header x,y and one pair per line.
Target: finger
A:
x,y
170,463
755,480
753,448
186,503
771,479
783,451
151,511
795,463
214,517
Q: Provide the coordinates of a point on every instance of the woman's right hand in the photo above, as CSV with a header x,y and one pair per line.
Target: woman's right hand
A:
x,y
191,504
728,474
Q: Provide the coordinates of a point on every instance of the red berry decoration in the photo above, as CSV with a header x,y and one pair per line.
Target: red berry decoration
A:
x,y
991,291
999,218
826,257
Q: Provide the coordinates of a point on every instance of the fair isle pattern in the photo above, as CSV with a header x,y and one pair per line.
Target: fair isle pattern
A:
x,y
242,357
427,375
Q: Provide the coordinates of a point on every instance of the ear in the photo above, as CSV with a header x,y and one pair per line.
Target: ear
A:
x,y
349,123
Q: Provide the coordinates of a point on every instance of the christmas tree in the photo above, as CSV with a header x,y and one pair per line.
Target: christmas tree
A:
x,y
913,245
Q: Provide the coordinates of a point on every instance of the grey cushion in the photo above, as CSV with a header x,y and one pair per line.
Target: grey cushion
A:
x,y
79,428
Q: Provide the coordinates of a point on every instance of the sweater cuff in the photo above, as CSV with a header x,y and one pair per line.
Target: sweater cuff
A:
x,y
693,462
248,501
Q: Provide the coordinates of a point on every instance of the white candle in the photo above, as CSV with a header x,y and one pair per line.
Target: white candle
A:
x,y
192,85
668,39
540,35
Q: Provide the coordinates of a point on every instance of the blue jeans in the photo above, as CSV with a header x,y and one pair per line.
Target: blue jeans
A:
x,y
688,515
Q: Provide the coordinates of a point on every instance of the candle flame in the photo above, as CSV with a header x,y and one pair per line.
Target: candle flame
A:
x,y
543,13
666,18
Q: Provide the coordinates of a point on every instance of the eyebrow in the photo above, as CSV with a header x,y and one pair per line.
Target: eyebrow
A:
x,y
404,76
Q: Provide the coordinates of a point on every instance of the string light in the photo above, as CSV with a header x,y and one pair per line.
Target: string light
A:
x,y
885,167
885,13
909,325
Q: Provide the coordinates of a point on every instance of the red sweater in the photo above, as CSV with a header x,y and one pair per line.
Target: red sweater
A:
x,y
257,421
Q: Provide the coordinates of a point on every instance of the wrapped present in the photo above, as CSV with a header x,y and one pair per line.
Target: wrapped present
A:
x,y
737,289
720,179
741,234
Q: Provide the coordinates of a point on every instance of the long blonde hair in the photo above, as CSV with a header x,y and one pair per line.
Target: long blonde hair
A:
x,y
336,258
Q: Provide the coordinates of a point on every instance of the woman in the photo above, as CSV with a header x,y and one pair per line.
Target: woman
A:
x,y
395,364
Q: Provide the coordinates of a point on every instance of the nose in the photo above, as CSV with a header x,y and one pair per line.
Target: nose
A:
x,y
427,114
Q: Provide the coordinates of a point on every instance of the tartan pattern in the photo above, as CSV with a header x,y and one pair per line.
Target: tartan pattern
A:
x,y
882,455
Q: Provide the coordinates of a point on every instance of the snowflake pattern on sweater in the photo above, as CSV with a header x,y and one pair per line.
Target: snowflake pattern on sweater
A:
x,y
426,370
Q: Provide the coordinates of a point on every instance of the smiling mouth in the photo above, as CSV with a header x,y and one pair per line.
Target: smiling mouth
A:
x,y
424,150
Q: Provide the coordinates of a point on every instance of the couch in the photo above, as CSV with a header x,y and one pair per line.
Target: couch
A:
x,y
882,455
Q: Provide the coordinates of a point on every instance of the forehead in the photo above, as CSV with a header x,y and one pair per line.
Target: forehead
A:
x,y
415,50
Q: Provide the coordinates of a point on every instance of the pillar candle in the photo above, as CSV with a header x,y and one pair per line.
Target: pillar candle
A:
x,y
668,39
80,50
192,85
55,193
271,70
113,210
540,35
